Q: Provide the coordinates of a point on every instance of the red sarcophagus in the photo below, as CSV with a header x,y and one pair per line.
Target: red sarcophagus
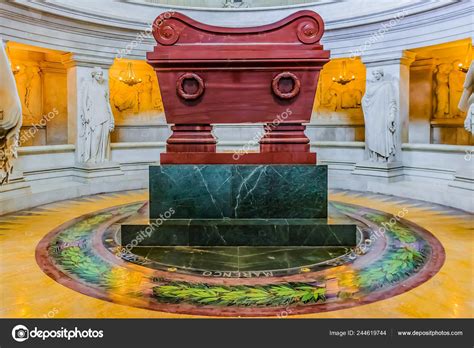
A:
x,y
210,75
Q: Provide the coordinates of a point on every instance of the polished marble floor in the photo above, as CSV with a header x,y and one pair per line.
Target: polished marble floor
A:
x,y
28,292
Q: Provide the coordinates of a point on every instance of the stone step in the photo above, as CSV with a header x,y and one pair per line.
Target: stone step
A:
x,y
238,232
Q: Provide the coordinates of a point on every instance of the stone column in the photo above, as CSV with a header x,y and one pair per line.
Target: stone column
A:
x,y
421,101
397,66
79,68
54,102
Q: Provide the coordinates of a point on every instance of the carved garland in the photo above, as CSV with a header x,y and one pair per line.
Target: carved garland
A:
x,y
181,89
286,95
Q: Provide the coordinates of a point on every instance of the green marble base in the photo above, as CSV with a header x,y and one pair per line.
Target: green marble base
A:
x,y
240,232
239,191
238,205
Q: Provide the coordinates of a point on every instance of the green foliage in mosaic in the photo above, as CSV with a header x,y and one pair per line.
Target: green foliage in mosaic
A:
x,y
244,295
398,265
76,261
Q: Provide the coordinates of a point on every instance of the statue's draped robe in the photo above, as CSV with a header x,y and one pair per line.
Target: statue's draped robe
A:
x,y
97,121
466,103
10,117
379,106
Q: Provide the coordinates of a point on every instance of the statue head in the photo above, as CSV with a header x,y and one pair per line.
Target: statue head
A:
x,y
98,74
377,74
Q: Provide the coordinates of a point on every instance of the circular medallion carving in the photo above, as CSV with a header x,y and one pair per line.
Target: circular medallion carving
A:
x,y
190,86
167,34
286,85
309,32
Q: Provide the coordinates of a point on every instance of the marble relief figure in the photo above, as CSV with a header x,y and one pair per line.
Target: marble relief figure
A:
x,y
124,98
145,94
466,104
441,90
141,99
341,98
351,98
29,82
10,117
148,95
331,99
379,105
97,120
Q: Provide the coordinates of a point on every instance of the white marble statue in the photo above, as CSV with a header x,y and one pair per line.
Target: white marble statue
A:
x,y
466,103
10,117
379,105
97,120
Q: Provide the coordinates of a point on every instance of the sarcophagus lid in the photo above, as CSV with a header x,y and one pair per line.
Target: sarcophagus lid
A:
x,y
209,74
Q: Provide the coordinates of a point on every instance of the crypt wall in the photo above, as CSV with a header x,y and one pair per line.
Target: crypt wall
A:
x,y
66,36
436,86
41,82
337,105
136,102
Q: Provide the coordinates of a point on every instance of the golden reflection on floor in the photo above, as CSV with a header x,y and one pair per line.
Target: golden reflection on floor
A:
x,y
27,292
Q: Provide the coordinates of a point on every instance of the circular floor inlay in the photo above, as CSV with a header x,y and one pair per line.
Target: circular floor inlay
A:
x,y
392,257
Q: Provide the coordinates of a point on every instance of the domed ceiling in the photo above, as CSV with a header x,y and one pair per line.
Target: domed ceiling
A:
x,y
135,13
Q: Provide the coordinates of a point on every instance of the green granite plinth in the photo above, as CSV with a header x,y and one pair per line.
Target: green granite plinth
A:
x,y
239,191
238,205
240,232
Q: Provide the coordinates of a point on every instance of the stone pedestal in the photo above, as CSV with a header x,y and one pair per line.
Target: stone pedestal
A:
x,y
211,75
240,232
243,157
286,137
380,171
464,179
239,191
86,172
16,186
191,138
238,205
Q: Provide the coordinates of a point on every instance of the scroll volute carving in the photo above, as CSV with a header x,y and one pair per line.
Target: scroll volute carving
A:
x,y
310,30
167,30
